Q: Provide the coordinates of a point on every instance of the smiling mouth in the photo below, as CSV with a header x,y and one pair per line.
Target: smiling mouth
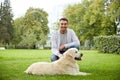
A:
x,y
78,58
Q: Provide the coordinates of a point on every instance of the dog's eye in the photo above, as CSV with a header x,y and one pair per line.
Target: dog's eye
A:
x,y
75,51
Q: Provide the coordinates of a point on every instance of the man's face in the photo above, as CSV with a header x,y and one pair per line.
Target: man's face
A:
x,y
63,25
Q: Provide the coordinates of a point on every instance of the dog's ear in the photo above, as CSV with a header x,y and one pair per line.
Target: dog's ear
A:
x,y
70,53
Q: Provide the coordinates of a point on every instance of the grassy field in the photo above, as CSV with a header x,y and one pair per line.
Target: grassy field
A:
x,y
13,63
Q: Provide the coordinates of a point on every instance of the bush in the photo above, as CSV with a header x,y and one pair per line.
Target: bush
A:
x,y
47,47
107,44
11,46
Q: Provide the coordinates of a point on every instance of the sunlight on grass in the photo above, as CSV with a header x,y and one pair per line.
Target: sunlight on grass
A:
x,y
13,63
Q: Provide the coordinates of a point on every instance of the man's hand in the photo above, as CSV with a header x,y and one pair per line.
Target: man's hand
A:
x,y
61,47
60,55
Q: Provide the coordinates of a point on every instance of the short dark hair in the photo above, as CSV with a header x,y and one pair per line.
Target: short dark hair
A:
x,y
64,19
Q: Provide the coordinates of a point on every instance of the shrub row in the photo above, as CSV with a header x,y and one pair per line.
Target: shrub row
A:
x,y
107,44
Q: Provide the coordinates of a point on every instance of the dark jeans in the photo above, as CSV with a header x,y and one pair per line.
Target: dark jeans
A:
x,y
54,57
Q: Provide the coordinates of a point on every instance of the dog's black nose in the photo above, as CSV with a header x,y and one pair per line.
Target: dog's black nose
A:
x,y
81,54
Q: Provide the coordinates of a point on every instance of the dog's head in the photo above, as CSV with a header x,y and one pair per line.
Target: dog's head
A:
x,y
73,53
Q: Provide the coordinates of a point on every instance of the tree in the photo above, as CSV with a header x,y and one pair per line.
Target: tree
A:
x,y
18,27
113,12
6,28
33,26
89,18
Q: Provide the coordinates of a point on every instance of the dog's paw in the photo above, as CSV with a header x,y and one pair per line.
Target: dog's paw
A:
x,y
84,73
88,73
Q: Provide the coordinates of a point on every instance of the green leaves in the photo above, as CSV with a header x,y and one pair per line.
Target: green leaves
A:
x,y
6,27
107,44
32,28
93,18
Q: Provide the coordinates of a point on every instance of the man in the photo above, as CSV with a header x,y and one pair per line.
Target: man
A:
x,y
63,39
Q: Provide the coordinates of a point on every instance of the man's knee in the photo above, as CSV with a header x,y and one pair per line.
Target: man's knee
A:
x,y
75,46
54,58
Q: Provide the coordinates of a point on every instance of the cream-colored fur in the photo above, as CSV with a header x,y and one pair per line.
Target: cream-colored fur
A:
x,y
65,65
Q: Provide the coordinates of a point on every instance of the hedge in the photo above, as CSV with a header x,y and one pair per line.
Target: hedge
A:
x,y
107,44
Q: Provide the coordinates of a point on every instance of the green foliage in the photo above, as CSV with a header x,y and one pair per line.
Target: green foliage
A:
x,y
107,44
18,30
28,40
6,27
13,63
31,29
93,18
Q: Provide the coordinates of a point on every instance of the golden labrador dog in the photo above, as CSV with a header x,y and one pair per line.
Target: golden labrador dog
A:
x,y
65,65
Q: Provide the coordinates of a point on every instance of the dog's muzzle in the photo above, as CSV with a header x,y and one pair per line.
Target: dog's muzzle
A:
x,y
79,58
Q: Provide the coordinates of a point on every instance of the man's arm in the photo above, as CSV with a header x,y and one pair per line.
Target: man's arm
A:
x,y
55,48
75,40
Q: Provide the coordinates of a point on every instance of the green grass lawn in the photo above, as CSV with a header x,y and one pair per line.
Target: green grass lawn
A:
x,y
13,63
